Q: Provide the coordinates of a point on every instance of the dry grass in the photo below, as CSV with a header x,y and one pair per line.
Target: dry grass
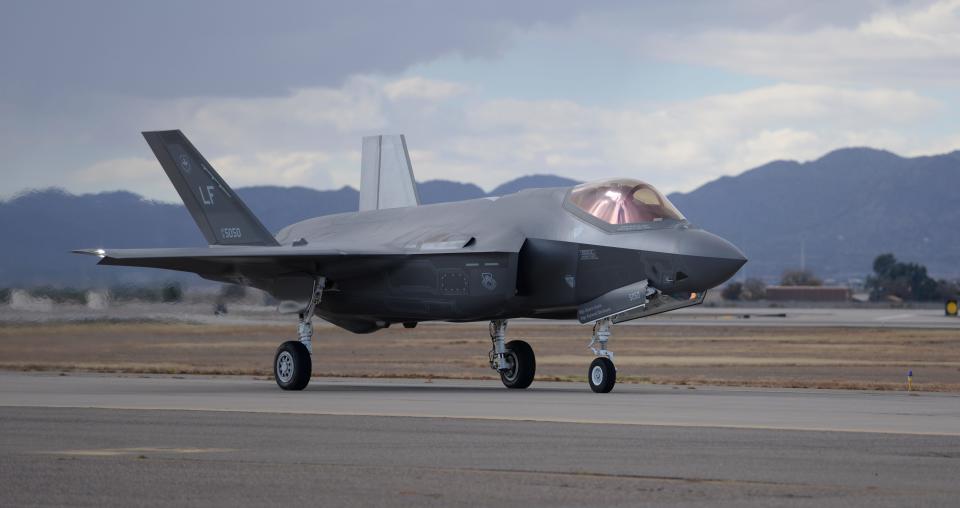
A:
x,y
738,356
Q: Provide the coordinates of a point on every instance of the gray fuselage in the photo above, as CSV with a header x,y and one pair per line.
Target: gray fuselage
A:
x,y
522,255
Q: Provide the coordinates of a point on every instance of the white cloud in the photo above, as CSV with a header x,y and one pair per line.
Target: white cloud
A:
x,y
915,43
421,88
354,106
683,144
312,137
286,169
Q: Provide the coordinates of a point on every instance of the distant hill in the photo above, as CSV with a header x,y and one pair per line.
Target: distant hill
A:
x,y
845,208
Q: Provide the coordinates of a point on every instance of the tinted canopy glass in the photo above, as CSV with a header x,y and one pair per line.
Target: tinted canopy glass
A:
x,y
623,201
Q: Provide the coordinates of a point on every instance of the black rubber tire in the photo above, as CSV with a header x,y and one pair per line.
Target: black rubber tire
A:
x,y
602,375
299,359
525,365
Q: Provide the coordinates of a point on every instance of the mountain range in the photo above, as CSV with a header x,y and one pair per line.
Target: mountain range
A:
x,y
833,215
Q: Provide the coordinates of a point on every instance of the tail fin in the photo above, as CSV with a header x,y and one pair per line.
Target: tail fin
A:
x,y
219,213
386,175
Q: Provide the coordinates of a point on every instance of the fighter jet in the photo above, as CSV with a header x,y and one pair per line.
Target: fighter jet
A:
x,y
602,252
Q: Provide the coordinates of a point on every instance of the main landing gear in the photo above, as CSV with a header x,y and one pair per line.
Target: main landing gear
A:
x,y
292,365
514,360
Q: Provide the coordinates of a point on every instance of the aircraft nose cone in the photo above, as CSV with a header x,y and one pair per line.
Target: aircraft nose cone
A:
x,y
712,259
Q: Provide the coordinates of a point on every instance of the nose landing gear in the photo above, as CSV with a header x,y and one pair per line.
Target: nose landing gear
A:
x,y
602,374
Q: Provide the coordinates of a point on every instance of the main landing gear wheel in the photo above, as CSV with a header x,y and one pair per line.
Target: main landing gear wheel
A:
x,y
523,365
292,365
602,375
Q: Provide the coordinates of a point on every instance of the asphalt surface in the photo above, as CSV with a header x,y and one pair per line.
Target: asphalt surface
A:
x,y
126,441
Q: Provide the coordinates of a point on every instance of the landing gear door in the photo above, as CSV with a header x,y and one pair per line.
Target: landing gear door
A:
x,y
620,300
660,303
634,301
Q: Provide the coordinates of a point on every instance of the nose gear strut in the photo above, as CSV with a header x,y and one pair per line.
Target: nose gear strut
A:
x,y
602,374
601,334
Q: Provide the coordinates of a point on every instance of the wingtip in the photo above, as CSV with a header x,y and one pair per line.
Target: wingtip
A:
x,y
91,252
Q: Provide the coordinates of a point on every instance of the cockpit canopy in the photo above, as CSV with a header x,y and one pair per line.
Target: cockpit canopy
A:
x,y
623,202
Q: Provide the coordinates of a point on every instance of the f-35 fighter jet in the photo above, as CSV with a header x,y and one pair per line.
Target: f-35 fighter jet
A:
x,y
602,252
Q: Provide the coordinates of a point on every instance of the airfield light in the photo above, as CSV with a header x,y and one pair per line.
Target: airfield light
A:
x,y
951,308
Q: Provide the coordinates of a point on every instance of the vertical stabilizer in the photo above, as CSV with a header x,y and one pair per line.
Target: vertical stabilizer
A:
x,y
386,175
219,213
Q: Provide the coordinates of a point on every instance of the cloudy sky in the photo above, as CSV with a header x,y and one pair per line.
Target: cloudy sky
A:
x,y
675,93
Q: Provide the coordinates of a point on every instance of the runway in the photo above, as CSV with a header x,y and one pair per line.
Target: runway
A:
x,y
125,441
629,404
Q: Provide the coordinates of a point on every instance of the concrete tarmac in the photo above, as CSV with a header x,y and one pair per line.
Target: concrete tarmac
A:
x,y
150,441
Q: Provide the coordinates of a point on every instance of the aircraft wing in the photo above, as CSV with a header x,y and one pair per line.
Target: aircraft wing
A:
x,y
253,261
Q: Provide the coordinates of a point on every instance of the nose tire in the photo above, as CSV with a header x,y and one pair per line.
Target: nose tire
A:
x,y
602,375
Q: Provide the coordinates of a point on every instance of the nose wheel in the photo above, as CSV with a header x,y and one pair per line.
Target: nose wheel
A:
x,y
602,375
